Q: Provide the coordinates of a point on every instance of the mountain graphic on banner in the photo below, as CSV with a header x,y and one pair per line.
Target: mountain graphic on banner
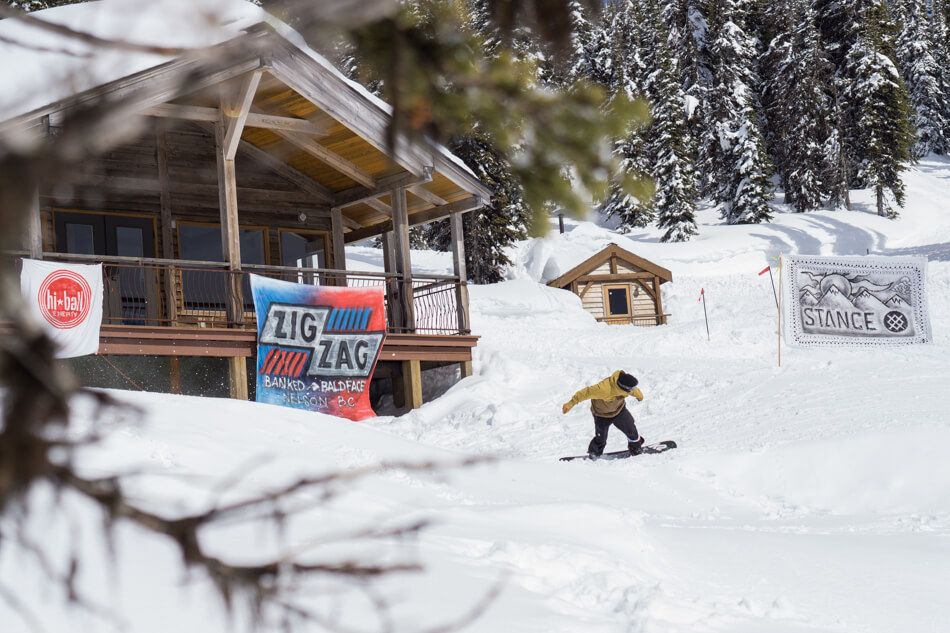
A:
x,y
809,297
834,299
867,301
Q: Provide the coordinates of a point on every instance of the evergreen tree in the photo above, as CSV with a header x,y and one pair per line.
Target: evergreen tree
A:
x,y
796,105
673,168
883,132
494,227
923,79
939,35
733,153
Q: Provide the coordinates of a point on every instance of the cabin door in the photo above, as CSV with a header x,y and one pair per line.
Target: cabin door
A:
x,y
131,290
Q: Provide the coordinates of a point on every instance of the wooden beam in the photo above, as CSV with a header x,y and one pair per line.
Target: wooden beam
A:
x,y
380,206
351,105
422,217
254,119
237,118
421,192
282,169
587,287
617,277
357,195
331,159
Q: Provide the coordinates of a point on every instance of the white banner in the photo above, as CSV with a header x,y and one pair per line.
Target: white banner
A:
x,y
67,300
855,301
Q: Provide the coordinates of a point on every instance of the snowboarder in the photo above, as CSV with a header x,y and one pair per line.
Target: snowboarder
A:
x,y
608,403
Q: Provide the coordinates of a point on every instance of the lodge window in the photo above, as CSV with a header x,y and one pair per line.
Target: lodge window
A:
x,y
207,289
131,293
303,249
617,300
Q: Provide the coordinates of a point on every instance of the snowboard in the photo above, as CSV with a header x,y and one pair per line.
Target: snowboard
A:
x,y
650,449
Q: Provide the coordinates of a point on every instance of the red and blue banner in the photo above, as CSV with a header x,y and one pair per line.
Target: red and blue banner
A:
x,y
317,346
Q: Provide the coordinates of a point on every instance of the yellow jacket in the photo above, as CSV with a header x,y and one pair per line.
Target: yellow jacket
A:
x,y
607,399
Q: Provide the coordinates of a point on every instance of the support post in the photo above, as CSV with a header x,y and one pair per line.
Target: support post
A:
x,y
412,383
35,227
339,249
165,202
393,307
402,259
661,320
174,371
458,261
231,247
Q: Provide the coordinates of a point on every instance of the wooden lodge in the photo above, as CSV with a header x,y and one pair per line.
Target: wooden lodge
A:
x,y
618,287
258,157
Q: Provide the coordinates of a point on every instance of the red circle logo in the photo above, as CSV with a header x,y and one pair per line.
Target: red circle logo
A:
x,y
64,299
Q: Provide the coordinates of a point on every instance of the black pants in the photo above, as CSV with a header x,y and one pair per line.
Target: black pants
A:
x,y
623,421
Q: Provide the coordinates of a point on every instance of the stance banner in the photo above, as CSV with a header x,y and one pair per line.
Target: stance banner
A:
x,y
855,301
67,300
317,346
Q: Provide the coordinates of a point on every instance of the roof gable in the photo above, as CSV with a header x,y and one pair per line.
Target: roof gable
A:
x,y
592,263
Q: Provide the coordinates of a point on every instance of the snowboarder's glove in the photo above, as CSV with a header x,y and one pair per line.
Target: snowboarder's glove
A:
x,y
567,407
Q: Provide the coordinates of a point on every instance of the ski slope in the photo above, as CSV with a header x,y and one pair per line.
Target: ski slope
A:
x,y
811,496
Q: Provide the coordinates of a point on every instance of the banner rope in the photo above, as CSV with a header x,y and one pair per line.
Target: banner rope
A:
x,y
119,371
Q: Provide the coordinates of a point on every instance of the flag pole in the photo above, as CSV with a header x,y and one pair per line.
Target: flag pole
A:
x,y
779,309
702,296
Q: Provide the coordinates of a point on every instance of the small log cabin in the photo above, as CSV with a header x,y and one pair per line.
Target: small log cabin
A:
x,y
618,287
254,156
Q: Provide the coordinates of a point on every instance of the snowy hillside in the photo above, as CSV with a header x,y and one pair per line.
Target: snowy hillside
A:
x,y
808,497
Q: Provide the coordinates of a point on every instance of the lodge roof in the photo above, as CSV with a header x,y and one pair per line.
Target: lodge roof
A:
x,y
605,255
327,134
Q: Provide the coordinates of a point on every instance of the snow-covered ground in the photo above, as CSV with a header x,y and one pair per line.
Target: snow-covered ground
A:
x,y
811,496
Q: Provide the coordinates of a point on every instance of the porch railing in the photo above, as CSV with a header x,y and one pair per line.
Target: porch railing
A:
x,y
208,294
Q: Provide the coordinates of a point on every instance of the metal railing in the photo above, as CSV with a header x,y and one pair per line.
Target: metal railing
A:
x,y
140,291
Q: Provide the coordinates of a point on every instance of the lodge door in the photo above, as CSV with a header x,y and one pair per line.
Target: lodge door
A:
x,y
131,290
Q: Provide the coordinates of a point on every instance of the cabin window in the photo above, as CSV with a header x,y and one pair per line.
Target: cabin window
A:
x,y
302,249
206,289
131,291
617,300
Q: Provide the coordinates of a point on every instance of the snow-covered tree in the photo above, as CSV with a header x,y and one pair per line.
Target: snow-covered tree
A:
x,y
491,229
883,133
923,78
673,166
624,27
797,107
733,155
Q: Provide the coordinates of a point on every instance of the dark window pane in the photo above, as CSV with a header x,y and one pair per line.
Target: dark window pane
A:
x,y
200,243
617,300
79,239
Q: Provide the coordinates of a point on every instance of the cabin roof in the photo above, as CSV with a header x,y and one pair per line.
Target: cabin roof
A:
x,y
603,256
330,133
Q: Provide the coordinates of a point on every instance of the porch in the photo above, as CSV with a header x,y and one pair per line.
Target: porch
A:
x,y
179,309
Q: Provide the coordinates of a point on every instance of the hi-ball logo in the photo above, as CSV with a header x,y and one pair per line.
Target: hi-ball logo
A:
x,y
64,299
344,350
